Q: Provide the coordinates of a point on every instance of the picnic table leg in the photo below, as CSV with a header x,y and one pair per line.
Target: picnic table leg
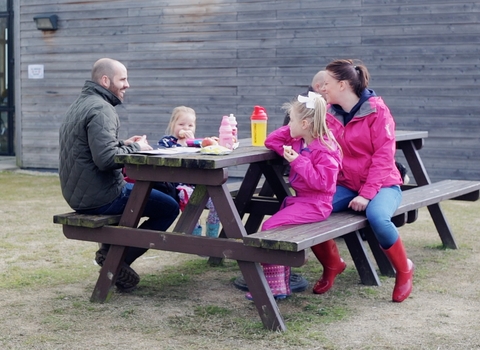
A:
x,y
243,197
245,193
252,272
443,228
274,185
133,212
255,220
262,296
108,274
192,212
364,266
421,178
384,265
111,267
274,176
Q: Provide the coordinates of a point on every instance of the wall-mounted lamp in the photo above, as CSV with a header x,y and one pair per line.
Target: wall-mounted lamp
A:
x,y
46,22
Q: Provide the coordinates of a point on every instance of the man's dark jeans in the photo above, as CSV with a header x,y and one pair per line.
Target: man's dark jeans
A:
x,y
161,210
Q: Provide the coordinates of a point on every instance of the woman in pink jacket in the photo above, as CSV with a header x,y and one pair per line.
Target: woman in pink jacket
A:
x,y
315,159
369,180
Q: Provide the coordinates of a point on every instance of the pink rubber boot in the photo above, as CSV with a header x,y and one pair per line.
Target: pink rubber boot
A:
x,y
276,278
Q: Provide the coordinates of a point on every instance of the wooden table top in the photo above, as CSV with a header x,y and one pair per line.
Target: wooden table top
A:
x,y
406,135
244,154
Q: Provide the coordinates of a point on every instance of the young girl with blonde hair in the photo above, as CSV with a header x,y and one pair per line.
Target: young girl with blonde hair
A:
x,y
181,128
315,159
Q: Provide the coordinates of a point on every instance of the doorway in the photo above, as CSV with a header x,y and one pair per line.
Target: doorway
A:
x,y
7,108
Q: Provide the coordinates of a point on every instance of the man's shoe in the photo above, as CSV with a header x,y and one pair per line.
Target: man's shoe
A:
x,y
127,278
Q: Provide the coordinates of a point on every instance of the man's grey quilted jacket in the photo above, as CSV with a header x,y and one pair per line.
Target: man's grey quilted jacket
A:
x,y
89,176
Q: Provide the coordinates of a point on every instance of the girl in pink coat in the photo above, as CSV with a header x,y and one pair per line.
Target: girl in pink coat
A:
x,y
315,159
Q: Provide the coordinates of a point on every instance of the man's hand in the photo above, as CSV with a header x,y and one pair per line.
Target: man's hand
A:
x,y
141,140
134,139
359,203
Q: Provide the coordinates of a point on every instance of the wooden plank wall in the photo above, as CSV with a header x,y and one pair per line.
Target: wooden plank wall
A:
x,y
225,56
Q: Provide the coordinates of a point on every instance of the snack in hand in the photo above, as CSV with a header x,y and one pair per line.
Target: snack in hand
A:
x,y
287,148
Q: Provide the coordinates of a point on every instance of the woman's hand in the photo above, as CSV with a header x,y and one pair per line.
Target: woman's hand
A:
x,y
359,203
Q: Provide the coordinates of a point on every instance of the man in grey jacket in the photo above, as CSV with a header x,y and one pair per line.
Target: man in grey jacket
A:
x,y
91,181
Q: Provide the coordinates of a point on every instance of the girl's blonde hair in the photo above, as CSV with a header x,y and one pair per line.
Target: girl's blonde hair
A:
x,y
317,117
177,111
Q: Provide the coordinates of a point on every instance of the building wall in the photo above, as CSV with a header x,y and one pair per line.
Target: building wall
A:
x,y
225,56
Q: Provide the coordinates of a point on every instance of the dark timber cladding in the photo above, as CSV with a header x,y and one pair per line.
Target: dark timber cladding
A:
x,y
222,57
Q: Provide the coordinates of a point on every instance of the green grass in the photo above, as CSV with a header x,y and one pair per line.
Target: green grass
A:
x,y
46,281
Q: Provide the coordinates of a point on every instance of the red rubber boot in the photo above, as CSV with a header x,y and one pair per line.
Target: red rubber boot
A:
x,y
333,265
404,271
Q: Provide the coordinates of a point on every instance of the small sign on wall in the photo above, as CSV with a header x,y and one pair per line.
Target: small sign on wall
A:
x,y
35,71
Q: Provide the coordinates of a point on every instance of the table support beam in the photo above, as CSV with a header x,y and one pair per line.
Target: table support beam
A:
x,y
419,172
262,296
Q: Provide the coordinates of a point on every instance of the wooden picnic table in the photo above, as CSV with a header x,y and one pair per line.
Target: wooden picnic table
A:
x,y
209,174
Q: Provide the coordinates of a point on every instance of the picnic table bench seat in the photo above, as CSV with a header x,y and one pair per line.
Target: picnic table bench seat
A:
x,y
299,237
293,238
94,221
86,220
348,223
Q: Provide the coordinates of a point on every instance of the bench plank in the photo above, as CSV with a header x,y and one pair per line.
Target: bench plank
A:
x,y
299,237
437,192
182,243
85,220
95,221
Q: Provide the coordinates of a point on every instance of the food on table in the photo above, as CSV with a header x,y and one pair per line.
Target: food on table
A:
x,y
209,141
215,149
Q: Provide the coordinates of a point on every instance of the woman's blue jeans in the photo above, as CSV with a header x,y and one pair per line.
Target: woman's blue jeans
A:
x,y
379,211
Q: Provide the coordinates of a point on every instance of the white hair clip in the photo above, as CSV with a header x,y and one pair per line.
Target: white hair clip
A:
x,y
308,100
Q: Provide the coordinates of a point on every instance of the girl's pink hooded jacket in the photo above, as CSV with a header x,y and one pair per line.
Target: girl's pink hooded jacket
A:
x,y
368,145
313,176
